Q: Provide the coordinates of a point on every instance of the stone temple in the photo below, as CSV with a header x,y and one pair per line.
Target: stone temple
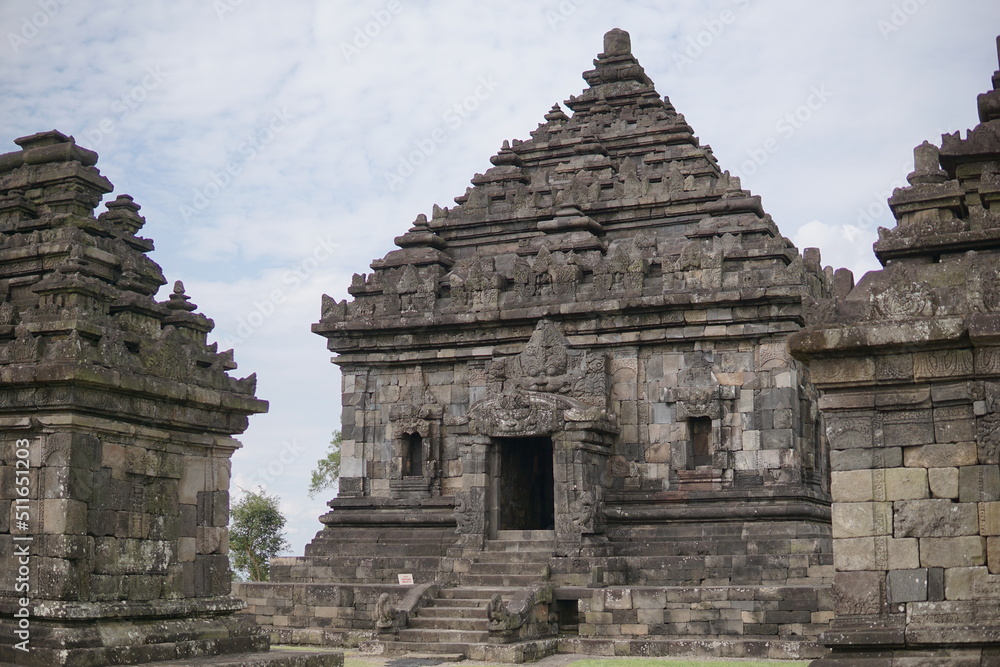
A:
x,y
117,421
600,406
573,389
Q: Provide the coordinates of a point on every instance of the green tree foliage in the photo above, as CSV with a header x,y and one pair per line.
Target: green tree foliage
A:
x,y
327,468
256,534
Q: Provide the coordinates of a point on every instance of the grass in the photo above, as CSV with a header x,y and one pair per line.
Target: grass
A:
x,y
659,662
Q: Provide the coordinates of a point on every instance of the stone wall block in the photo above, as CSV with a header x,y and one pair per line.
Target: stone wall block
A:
x,y
861,459
858,370
941,455
193,480
854,554
859,593
979,483
906,483
853,486
989,518
211,575
901,553
961,583
862,519
993,554
943,482
966,551
64,516
72,450
213,508
935,518
850,432
907,585
65,482
618,598
942,364
910,433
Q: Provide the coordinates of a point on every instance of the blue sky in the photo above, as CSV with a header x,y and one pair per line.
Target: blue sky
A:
x,y
276,149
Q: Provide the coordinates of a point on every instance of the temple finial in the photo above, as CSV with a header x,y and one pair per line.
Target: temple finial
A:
x,y
179,300
926,165
617,43
556,113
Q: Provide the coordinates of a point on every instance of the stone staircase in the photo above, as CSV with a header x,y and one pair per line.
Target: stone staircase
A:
x,y
517,558
455,621
455,618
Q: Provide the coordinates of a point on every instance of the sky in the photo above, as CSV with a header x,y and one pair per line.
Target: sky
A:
x,y
277,148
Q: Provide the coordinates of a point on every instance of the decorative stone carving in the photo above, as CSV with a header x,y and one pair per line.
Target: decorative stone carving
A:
x,y
385,613
500,618
700,401
583,512
988,425
470,511
519,414
424,421
547,364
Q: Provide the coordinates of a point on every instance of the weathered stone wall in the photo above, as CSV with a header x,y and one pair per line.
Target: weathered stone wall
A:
x,y
316,613
909,366
780,611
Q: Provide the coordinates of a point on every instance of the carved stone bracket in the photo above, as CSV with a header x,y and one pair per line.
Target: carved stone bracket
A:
x,y
527,413
700,401
524,616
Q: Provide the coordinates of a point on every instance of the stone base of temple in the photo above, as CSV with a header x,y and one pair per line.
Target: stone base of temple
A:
x,y
951,638
75,635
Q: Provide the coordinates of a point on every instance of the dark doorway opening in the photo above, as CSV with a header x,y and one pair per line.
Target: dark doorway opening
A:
x,y
413,460
526,495
701,442
568,613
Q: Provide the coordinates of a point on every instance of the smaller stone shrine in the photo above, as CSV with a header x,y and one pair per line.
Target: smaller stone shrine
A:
x,y
908,363
116,432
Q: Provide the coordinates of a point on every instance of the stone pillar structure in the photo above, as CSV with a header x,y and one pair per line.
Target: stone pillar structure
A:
x,y
908,363
116,425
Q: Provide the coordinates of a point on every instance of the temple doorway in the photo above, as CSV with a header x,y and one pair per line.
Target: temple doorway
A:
x,y
522,484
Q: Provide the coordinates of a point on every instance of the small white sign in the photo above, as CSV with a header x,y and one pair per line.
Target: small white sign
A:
x,y
405,579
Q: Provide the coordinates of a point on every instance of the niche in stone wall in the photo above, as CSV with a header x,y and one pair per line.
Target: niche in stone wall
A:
x,y
415,431
413,455
700,443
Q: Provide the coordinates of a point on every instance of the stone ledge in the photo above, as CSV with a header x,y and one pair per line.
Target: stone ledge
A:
x,y
742,647
276,657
